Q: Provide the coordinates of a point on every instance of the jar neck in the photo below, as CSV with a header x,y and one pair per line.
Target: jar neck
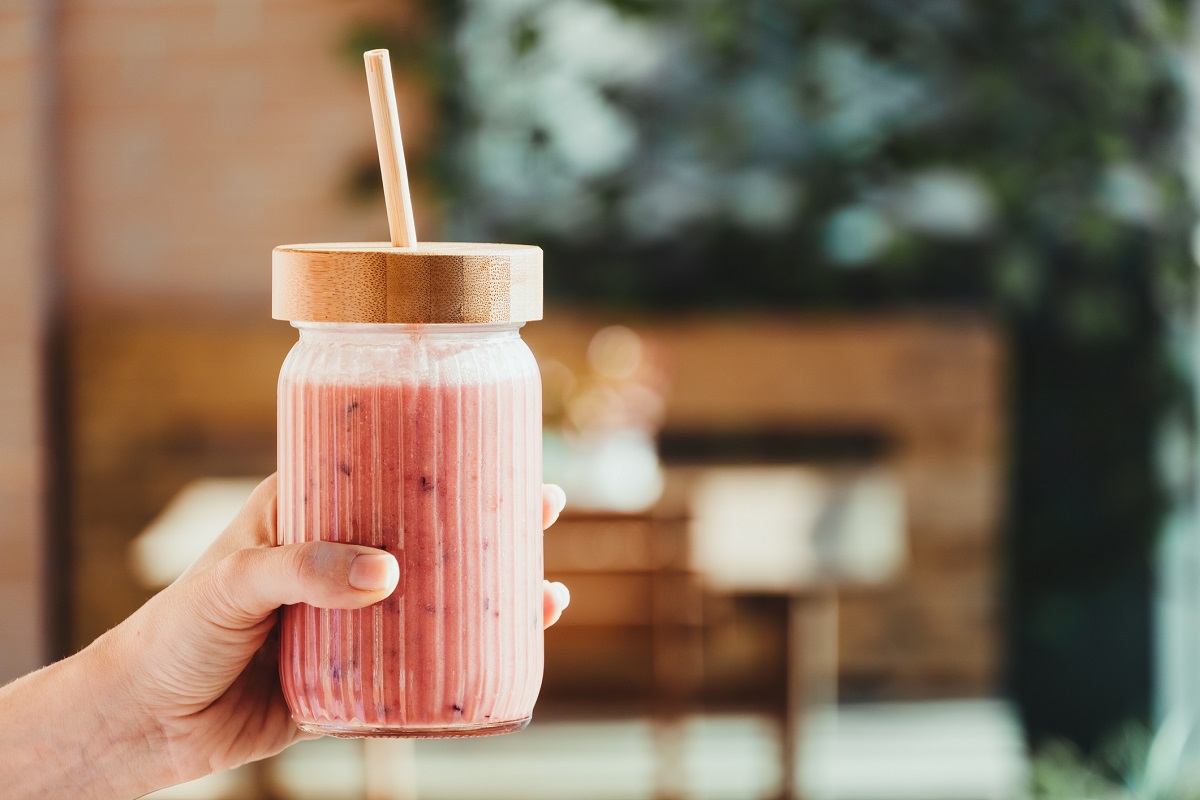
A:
x,y
381,332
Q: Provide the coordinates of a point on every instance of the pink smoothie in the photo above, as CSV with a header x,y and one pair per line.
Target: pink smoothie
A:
x,y
432,453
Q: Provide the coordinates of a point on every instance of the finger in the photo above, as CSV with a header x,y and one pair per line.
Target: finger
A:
x,y
246,587
555,598
554,500
254,526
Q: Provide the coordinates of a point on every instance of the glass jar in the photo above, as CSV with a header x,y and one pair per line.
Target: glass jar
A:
x,y
410,420
424,441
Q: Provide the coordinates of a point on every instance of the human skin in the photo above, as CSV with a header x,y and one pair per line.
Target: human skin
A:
x,y
189,684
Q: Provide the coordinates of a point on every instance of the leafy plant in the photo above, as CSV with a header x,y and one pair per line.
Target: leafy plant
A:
x,y
1132,764
1011,157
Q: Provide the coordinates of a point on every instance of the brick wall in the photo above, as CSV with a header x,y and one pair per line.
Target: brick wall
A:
x,y
22,317
194,135
198,134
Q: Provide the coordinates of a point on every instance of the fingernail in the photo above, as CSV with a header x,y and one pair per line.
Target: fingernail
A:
x,y
371,572
561,594
560,497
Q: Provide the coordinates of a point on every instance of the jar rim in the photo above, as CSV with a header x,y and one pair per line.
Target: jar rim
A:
x,y
393,328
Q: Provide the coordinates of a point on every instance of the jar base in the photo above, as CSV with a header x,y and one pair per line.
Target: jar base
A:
x,y
414,732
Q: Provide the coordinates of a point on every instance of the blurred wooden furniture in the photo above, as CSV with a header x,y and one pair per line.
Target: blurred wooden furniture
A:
x,y
630,642
931,386
803,534
145,414
158,400
635,627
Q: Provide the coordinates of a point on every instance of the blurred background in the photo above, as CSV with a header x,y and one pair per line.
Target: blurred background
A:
x,y
869,360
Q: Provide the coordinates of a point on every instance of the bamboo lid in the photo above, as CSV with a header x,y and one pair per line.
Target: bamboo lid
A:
x,y
403,281
433,282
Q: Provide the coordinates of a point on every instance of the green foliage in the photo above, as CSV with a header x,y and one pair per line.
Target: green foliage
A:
x,y
1010,156
1131,764
830,154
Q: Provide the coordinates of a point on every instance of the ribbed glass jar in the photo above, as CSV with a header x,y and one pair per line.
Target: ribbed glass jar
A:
x,y
425,441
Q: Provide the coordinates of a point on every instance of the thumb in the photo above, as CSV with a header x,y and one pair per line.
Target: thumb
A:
x,y
250,584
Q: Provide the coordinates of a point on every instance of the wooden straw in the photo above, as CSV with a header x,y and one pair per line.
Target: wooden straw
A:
x,y
391,150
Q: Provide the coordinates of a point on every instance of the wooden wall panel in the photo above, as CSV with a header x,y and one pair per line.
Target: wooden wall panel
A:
x,y
168,400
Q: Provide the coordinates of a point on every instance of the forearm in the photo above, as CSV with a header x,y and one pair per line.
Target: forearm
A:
x,y
73,730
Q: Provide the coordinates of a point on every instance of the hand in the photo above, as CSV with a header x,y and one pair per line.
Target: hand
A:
x,y
189,684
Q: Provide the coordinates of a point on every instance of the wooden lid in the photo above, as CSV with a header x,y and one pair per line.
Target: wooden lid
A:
x,y
434,282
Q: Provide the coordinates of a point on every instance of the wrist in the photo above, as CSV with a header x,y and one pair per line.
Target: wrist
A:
x,y
74,730
130,754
